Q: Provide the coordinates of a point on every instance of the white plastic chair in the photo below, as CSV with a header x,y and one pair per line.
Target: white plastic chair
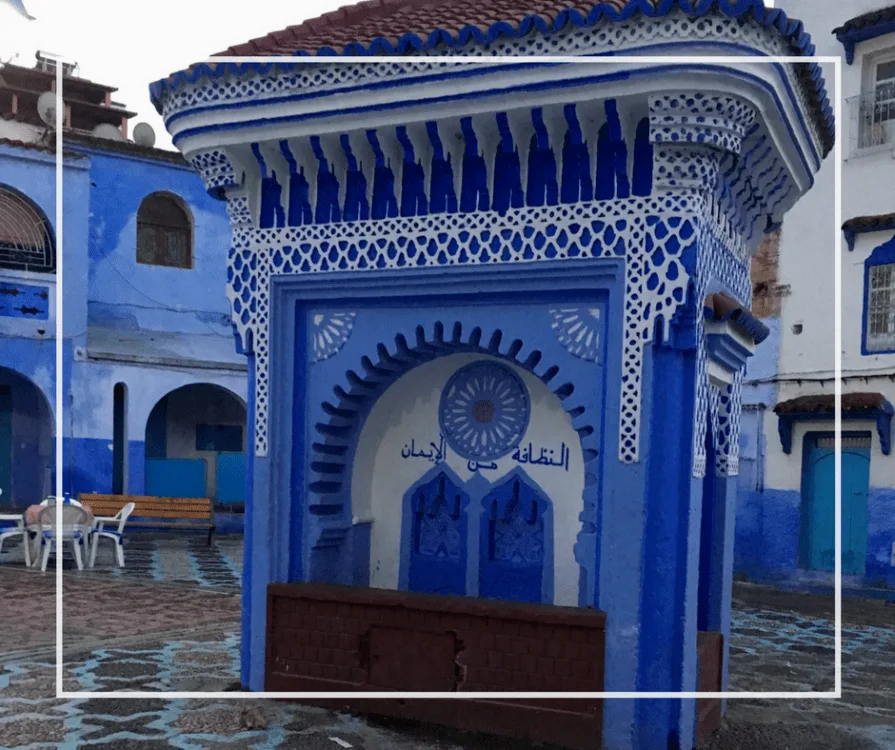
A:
x,y
19,530
75,529
116,536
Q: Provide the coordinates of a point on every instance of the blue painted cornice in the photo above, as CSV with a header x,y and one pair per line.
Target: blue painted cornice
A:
x,y
408,44
862,29
866,224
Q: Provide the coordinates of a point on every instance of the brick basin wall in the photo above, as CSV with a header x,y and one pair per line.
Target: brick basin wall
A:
x,y
327,638
710,655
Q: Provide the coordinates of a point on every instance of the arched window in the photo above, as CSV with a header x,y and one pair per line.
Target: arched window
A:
x,y
164,232
26,239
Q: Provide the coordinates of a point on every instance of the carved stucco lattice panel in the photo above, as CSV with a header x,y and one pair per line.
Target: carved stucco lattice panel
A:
x,y
594,229
723,265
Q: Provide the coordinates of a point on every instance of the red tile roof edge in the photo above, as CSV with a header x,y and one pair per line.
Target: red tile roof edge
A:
x,y
38,147
827,402
867,19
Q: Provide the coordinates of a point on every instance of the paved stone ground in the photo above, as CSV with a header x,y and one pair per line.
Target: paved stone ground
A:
x,y
170,621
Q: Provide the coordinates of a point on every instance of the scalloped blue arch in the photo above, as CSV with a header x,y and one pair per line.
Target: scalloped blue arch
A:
x,y
332,452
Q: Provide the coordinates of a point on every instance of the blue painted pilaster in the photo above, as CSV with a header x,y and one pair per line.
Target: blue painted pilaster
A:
x,y
667,640
721,581
249,656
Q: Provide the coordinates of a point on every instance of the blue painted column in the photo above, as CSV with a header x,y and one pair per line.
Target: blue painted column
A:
x,y
616,585
667,635
249,645
721,576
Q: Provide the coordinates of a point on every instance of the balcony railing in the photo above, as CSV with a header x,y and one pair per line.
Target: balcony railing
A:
x,y
872,120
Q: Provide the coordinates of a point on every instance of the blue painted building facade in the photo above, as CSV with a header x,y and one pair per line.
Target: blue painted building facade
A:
x,y
497,318
153,393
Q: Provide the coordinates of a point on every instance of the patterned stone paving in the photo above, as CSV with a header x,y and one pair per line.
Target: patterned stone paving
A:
x,y
170,621
785,642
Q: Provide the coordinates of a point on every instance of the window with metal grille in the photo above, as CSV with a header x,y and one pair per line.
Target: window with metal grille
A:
x,y
881,308
164,232
26,239
884,88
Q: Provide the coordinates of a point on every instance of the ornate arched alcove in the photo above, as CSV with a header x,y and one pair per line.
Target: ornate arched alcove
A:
x,y
401,448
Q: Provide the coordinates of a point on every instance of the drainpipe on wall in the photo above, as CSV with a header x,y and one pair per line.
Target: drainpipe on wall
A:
x,y
71,444
760,446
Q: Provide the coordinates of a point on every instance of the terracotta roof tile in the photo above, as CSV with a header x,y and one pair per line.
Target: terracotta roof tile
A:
x,y
391,19
867,19
38,147
851,402
869,223
396,27
862,224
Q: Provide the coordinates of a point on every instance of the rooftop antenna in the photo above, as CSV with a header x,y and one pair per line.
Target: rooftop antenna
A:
x,y
144,135
46,110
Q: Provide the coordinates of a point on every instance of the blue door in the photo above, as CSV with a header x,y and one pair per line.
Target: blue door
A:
x,y
231,478
5,447
819,482
512,560
438,543
175,477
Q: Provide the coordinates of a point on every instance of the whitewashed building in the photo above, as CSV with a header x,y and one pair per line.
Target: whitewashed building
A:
x,y
785,519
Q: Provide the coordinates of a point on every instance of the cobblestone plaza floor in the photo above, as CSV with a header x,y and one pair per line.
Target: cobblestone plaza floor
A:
x,y
170,621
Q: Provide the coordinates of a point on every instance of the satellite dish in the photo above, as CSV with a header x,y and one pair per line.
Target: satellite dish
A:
x,y
46,107
107,131
144,135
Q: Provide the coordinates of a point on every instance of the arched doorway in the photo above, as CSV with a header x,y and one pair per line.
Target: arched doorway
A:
x,y
196,445
26,442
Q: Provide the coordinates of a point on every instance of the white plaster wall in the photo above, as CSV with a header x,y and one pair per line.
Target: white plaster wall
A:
x,y
807,262
93,386
407,411
807,250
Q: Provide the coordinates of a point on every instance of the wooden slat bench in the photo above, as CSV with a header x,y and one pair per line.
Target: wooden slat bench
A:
x,y
157,512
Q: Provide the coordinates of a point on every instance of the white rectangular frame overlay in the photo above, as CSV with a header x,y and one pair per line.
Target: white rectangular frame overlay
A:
x,y
397,695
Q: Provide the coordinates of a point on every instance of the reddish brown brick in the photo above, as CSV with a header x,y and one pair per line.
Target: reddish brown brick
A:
x,y
562,667
503,643
499,646
764,271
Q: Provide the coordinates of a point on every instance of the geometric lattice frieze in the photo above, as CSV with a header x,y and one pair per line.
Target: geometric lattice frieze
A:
x,y
656,249
723,263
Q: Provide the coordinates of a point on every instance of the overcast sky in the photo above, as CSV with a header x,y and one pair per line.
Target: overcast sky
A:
x,y
130,43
